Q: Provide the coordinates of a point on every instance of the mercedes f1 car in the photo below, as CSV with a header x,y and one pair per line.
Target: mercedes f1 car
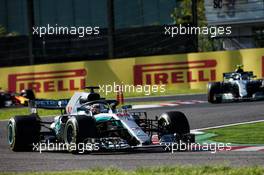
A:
x,y
236,86
90,119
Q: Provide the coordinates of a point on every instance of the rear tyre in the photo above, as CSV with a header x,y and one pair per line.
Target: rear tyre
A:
x,y
23,132
78,131
213,90
30,94
2,100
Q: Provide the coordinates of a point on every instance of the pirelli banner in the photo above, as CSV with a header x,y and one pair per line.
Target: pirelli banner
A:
x,y
189,71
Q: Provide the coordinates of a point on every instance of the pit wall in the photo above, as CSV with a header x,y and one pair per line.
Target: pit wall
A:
x,y
182,71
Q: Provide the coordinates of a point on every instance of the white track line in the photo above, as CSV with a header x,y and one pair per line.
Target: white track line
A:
x,y
177,95
222,126
168,104
145,106
251,148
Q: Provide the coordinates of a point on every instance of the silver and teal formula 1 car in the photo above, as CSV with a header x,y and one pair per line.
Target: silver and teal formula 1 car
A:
x,y
90,123
236,86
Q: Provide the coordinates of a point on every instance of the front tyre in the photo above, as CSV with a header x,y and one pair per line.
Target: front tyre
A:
x,y
78,131
173,122
213,92
23,132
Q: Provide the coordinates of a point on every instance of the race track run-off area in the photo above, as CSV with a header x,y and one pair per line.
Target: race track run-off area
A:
x,y
200,115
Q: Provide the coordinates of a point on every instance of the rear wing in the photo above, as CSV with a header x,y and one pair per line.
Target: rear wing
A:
x,y
48,104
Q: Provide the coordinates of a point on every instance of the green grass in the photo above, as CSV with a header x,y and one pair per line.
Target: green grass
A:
x,y
7,113
240,134
164,170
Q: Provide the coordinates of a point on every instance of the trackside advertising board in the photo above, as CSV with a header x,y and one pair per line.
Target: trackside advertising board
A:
x,y
189,71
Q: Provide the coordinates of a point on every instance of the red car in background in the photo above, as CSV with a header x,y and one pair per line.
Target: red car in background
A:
x,y
8,99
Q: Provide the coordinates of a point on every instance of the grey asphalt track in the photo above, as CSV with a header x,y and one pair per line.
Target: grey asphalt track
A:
x,y
199,115
167,98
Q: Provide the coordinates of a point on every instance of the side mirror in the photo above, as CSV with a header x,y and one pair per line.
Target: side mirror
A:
x,y
113,105
127,107
81,109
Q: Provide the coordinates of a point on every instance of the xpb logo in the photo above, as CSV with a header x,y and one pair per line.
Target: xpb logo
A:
x,y
53,81
175,72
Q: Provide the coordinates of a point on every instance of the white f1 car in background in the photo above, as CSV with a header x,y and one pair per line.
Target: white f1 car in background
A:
x,y
237,86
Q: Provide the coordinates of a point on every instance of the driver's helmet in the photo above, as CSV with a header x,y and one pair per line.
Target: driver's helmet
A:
x,y
23,93
95,109
239,68
236,76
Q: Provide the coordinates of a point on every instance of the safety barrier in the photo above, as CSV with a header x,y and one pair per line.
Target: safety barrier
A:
x,y
188,71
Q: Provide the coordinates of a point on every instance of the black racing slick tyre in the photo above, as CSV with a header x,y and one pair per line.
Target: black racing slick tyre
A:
x,y
213,90
173,122
2,100
78,130
23,132
30,94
